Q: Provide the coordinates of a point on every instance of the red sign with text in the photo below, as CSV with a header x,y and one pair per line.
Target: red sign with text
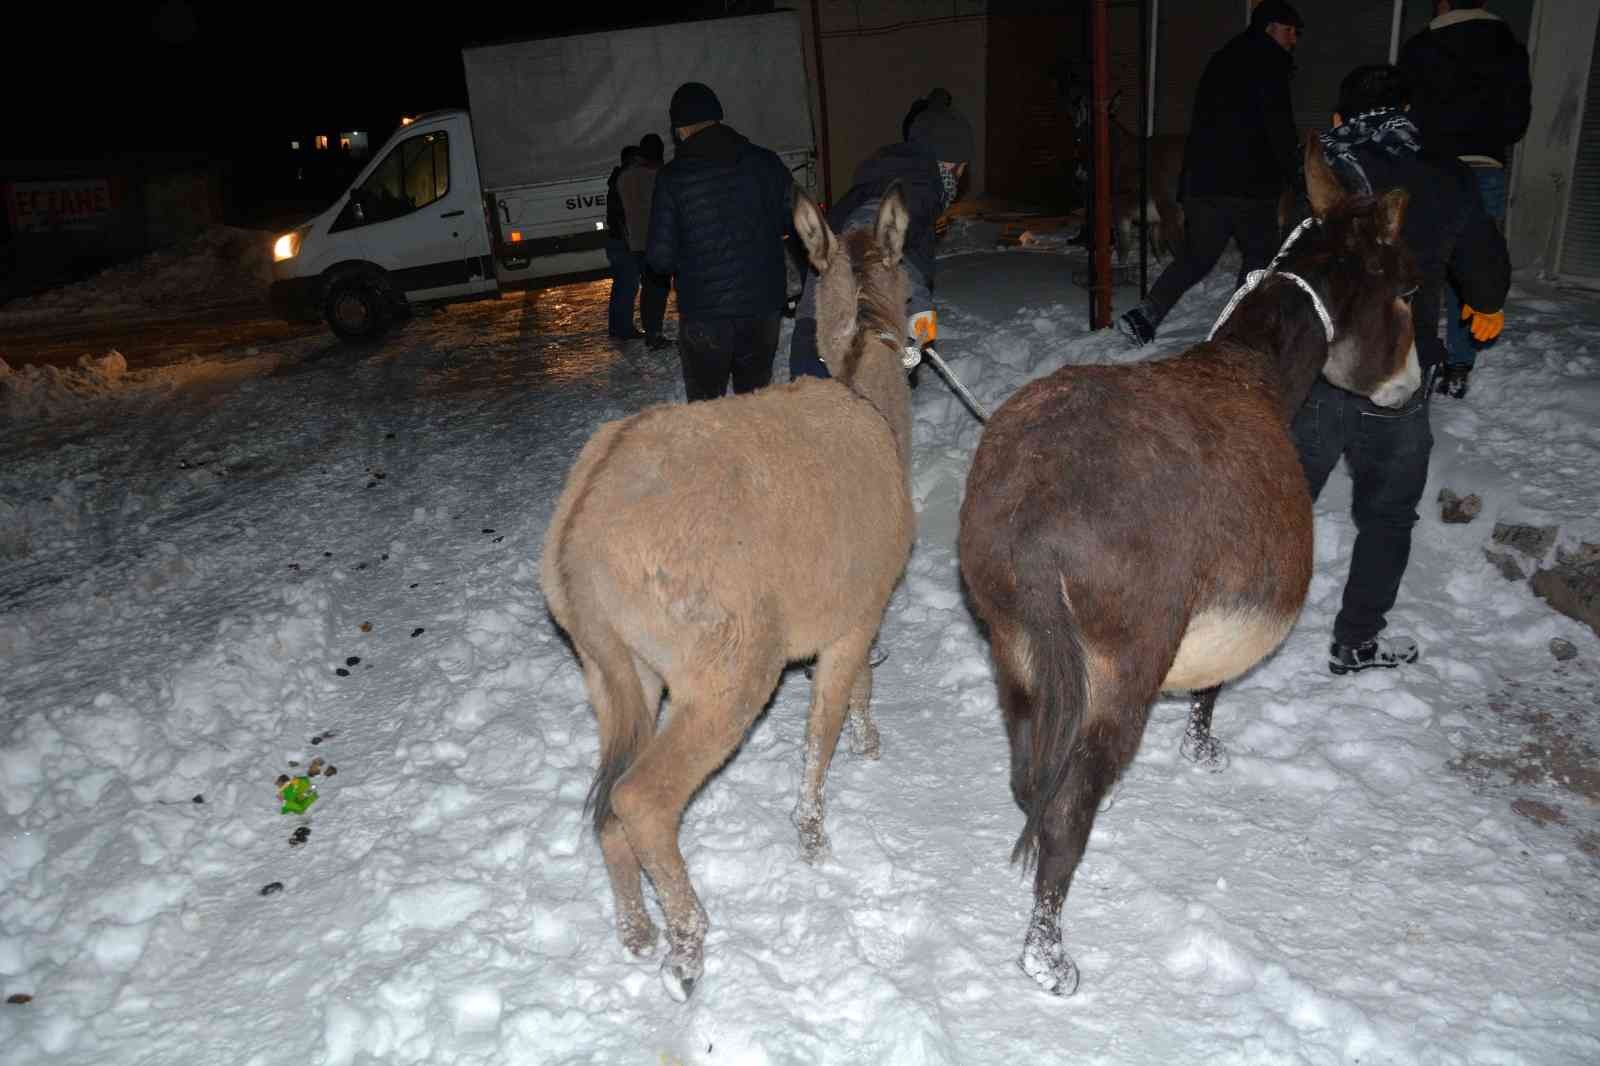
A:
x,y
40,206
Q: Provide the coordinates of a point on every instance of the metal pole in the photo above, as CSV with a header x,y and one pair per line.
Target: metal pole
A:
x,y
822,105
1155,40
1101,291
1394,30
1145,108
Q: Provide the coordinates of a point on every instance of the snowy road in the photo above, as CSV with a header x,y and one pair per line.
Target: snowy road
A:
x,y
214,570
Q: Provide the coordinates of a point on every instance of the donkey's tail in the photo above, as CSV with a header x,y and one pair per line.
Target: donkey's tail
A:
x,y
626,724
1058,697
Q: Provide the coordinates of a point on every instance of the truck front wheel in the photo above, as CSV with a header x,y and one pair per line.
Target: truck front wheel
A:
x,y
357,309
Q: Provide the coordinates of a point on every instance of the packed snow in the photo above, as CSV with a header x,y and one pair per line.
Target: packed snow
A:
x,y
213,574
219,266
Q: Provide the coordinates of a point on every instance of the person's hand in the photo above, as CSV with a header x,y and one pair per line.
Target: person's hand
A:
x,y
1485,326
941,225
924,326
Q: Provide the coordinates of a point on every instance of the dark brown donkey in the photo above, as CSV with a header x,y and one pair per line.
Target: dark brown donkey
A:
x,y
699,548
1146,527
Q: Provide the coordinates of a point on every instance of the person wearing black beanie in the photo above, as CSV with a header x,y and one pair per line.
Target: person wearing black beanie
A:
x,y
718,216
929,167
1241,155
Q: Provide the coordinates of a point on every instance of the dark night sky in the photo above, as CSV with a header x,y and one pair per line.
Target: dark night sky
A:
x,y
84,79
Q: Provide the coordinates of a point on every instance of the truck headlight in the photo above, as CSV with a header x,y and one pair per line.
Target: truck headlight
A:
x,y
288,245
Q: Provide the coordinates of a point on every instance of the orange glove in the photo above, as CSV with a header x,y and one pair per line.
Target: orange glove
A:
x,y
924,326
1485,326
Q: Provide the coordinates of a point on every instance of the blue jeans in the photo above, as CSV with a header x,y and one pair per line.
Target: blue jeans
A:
x,y
624,288
804,358
1388,454
1460,348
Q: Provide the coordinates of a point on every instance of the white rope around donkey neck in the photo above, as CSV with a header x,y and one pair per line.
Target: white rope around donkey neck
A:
x,y
1256,277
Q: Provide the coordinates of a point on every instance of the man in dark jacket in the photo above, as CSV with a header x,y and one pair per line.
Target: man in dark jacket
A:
x,y
717,220
1472,97
1373,147
624,264
1241,154
929,167
941,97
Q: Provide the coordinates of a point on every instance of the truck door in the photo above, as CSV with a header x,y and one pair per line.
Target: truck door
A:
x,y
421,219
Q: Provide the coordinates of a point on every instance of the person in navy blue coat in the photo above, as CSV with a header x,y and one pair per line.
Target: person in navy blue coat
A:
x,y
717,222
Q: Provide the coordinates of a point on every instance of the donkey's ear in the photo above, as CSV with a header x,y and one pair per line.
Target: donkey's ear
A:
x,y
1322,184
1392,214
893,221
814,232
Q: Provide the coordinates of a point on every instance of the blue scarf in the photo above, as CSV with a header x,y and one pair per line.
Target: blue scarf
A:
x,y
1386,130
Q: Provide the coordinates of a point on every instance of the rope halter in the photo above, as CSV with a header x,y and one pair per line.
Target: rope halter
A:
x,y
1253,279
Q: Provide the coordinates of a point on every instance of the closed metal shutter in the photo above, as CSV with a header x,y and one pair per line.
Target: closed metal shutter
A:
x,y
1580,243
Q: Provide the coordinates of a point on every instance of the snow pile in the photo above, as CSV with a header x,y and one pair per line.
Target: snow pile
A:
x,y
222,265
45,392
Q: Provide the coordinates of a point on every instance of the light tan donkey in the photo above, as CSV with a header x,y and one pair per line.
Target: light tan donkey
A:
x,y
699,548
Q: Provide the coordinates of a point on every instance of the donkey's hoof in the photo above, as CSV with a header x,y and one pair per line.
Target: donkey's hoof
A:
x,y
679,975
1207,752
1050,968
814,846
864,740
640,938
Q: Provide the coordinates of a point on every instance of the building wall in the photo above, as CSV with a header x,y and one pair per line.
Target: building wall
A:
x,y
1561,41
878,57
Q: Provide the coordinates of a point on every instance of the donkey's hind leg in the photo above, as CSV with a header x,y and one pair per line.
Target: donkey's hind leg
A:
x,y
634,927
842,674
1105,743
707,722
864,739
1199,746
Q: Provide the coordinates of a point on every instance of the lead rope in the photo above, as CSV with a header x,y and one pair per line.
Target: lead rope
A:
x,y
1253,279
911,355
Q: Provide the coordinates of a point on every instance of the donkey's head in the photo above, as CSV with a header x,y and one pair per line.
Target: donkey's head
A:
x,y
1368,276
861,290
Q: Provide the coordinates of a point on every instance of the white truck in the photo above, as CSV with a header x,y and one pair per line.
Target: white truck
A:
x,y
459,204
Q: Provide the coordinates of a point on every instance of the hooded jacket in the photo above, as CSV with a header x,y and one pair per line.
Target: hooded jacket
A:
x,y
1242,140
912,164
1471,90
718,216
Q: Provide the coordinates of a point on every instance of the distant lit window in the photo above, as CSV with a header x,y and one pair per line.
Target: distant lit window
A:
x,y
355,142
322,140
294,146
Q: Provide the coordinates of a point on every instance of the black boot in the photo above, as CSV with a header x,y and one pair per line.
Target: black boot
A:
x,y
1453,380
1387,652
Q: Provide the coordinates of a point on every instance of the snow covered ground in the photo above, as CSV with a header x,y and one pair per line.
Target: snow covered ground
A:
x,y
214,573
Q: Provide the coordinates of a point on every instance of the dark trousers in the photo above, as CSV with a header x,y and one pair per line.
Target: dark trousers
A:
x,y
624,287
1388,454
1209,223
804,359
652,298
713,351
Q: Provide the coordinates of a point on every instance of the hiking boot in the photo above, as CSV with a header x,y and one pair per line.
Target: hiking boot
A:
x,y
658,342
1387,652
1136,326
1453,380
